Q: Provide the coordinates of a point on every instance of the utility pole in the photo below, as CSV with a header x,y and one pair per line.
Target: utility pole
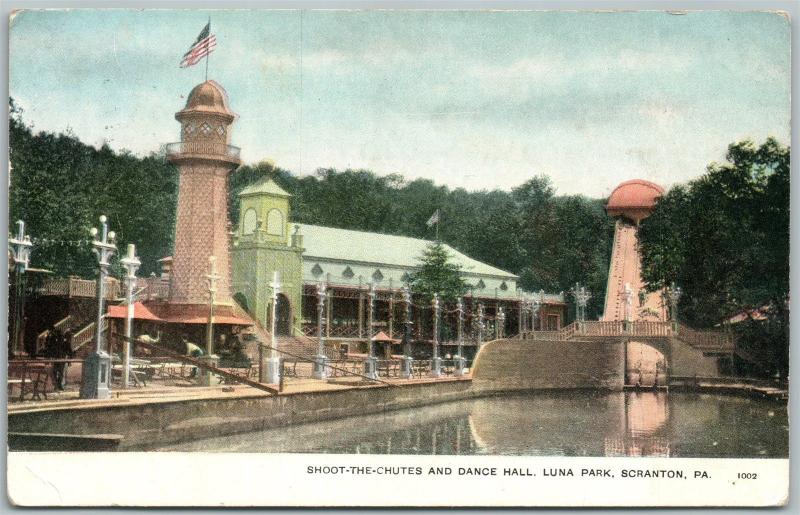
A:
x,y
131,264
96,377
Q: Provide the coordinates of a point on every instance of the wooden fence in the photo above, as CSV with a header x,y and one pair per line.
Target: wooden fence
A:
x,y
76,287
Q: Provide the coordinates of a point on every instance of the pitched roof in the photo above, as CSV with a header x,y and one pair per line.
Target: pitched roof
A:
x,y
265,186
384,249
140,312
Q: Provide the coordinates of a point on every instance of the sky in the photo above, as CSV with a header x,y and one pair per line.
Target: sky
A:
x,y
472,99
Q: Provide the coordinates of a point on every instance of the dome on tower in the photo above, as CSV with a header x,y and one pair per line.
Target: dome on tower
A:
x,y
634,199
208,98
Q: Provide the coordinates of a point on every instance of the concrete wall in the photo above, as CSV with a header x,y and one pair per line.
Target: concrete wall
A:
x,y
689,362
146,424
514,364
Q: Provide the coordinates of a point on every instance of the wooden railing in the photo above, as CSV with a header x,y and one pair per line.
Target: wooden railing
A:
x,y
87,334
153,288
75,287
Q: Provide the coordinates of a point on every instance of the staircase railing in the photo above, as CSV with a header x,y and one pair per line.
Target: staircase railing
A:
x,y
87,334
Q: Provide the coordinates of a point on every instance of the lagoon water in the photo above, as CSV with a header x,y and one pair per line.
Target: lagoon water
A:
x,y
570,423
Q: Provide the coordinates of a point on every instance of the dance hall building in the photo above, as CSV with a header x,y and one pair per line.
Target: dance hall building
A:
x,y
349,264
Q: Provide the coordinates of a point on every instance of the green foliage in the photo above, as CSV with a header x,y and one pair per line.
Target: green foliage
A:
x,y
724,238
437,274
60,187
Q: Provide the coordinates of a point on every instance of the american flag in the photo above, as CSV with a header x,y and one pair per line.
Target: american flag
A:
x,y
203,46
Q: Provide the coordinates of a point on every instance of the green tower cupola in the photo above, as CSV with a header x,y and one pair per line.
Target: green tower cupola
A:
x,y
264,212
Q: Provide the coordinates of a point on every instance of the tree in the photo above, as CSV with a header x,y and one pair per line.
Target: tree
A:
x,y
60,186
437,274
724,238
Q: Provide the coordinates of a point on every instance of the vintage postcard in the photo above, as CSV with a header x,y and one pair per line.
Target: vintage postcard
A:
x,y
398,258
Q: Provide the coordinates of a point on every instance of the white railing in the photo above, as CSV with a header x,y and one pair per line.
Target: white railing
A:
x,y
704,340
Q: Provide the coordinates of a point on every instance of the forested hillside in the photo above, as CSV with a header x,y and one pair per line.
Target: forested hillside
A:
x,y
59,186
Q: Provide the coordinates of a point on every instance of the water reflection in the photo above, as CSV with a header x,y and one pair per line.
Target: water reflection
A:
x,y
578,423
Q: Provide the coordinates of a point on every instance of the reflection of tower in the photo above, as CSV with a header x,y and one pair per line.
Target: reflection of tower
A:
x,y
204,159
646,417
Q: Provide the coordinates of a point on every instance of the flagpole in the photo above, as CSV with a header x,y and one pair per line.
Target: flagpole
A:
x,y
208,54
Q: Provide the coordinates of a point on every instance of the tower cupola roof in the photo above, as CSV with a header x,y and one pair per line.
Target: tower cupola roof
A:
x,y
634,199
207,98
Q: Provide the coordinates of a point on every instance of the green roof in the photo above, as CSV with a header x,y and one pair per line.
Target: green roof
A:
x,y
267,186
330,243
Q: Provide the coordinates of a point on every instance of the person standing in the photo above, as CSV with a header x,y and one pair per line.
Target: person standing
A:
x,y
63,351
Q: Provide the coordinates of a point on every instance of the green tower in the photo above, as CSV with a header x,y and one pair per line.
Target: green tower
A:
x,y
263,246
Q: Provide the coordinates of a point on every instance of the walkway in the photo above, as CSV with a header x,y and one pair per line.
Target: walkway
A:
x,y
156,393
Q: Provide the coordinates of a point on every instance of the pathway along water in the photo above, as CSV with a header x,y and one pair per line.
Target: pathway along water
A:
x,y
574,423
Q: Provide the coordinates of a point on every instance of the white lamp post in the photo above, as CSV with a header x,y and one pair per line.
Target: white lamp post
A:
x,y
460,361
210,357
96,375
628,292
21,247
131,264
582,296
481,325
674,293
501,323
320,360
407,364
274,361
436,361
371,364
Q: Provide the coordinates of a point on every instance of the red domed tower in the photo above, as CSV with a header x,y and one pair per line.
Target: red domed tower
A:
x,y
204,158
626,296
634,199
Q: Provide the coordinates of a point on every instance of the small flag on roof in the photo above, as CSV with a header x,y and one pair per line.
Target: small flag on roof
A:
x,y
434,219
204,45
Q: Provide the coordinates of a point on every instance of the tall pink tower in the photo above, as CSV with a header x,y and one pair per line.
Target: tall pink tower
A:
x,y
204,158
